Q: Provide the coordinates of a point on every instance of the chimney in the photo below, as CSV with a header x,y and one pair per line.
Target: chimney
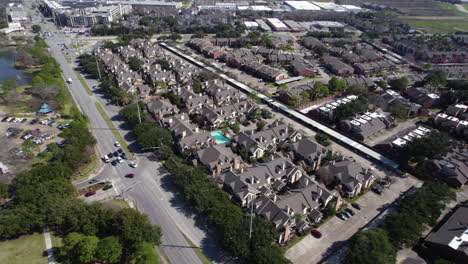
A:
x,y
236,163
170,120
242,169
283,166
184,133
196,130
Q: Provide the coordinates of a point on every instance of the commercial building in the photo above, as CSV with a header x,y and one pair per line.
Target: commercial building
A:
x,y
329,6
301,5
276,24
16,14
84,17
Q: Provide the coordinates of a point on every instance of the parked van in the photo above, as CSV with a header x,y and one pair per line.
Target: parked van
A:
x,y
106,159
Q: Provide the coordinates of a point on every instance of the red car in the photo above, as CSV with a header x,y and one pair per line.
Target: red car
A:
x,y
88,194
130,175
316,233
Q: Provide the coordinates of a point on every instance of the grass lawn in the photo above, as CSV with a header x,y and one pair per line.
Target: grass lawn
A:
x,y
83,82
84,173
26,249
56,241
295,241
440,25
465,6
198,251
116,133
115,205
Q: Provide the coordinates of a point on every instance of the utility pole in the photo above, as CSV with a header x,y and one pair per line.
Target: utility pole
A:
x,y
97,63
251,220
138,109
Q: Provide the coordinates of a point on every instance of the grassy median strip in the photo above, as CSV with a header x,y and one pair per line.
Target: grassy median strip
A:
x,y
114,130
83,82
197,250
295,241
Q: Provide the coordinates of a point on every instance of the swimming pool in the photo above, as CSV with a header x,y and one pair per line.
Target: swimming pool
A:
x,y
218,135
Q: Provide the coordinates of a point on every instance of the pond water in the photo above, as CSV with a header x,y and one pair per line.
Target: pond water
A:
x,y
8,71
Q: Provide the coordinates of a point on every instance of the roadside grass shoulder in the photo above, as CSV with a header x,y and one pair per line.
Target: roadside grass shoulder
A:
x,y
295,241
83,82
197,250
88,168
115,205
114,130
25,249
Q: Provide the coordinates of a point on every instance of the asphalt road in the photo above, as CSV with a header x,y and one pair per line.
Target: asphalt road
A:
x,y
151,190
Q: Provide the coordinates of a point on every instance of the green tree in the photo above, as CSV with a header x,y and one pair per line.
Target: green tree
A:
x,y
399,84
145,254
260,125
436,79
134,228
9,84
305,96
425,148
134,63
398,111
370,247
235,128
320,90
86,249
151,136
109,250
197,86
337,85
36,28
323,139
4,190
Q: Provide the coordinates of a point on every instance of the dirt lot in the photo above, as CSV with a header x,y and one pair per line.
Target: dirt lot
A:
x,y
16,163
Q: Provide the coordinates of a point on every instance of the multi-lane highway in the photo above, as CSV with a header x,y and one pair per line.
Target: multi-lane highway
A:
x,y
151,191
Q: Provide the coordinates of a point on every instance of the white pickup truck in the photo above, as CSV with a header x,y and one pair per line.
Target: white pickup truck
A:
x,y
69,80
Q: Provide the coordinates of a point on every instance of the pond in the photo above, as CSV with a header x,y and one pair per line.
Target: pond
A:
x,y
8,70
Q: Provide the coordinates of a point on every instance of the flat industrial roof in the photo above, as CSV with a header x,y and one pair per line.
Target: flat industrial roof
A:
x,y
302,5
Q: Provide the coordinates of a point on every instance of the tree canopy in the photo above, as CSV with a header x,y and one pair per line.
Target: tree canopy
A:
x,y
370,247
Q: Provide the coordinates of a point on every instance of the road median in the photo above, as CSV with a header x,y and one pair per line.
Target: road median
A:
x,y
114,130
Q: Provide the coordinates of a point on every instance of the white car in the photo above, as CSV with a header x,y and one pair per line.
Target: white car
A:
x,y
106,180
119,159
133,164
117,144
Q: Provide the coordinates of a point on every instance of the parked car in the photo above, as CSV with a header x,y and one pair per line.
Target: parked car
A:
x,y
130,175
5,119
107,187
133,164
52,123
341,216
124,156
106,159
117,144
119,160
356,205
120,150
116,154
114,162
88,194
316,233
350,211
348,215
24,120
377,190
94,180
105,180
111,154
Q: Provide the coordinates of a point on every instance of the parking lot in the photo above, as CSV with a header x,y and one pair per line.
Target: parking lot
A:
x,y
336,231
11,154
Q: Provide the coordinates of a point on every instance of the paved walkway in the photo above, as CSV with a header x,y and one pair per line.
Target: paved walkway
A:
x,y
48,241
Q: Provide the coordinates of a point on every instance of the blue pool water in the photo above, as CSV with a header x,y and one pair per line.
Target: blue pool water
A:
x,y
219,137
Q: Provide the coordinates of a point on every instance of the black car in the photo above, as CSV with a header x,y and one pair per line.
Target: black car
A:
x,y
110,155
5,118
93,181
120,150
34,121
377,190
107,187
24,120
350,211
114,162
356,205
341,216
116,154
124,156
